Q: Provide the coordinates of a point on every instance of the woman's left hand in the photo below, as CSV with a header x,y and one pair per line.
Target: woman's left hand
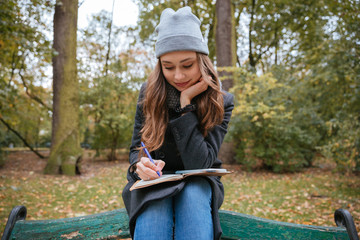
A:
x,y
188,94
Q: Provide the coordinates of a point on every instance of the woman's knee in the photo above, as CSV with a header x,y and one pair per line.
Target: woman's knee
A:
x,y
195,196
197,189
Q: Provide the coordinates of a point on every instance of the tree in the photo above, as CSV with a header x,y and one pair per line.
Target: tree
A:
x,y
225,39
225,57
311,48
111,71
24,46
65,144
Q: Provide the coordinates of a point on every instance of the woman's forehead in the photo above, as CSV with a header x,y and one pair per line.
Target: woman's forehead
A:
x,y
178,56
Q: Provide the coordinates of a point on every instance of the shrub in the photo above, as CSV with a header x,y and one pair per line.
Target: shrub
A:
x,y
270,129
344,145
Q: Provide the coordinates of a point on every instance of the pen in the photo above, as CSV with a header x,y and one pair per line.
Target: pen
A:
x,y
149,156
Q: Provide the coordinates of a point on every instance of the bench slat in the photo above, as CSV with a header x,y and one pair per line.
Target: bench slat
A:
x,y
237,225
107,225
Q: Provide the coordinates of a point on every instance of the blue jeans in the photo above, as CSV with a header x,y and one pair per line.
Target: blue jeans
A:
x,y
184,216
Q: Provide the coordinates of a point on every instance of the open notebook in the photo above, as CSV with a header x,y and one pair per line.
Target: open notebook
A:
x,y
178,175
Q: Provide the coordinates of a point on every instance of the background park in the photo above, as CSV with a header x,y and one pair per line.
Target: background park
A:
x,y
68,97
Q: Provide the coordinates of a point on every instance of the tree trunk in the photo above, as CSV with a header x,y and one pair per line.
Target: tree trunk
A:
x,y
65,144
225,40
114,142
251,54
357,147
226,57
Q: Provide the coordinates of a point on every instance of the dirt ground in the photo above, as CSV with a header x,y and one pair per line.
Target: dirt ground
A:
x,y
22,163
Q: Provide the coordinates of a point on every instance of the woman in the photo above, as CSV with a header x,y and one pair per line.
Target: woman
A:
x,y
182,117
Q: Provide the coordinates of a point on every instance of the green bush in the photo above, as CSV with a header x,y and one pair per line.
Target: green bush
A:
x,y
113,106
2,158
270,128
2,154
344,145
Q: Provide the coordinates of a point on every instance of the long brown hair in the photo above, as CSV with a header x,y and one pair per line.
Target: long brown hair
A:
x,y
210,109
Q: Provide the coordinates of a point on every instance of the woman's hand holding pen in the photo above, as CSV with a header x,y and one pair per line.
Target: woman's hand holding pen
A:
x,y
188,94
146,170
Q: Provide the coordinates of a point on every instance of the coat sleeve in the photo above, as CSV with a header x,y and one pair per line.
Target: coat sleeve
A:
x,y
196,150
136,137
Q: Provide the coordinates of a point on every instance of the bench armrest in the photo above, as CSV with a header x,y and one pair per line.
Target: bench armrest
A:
x,y
344,219
17,213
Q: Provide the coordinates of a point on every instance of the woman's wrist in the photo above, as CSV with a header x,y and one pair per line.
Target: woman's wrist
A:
x,y
184,101
134,166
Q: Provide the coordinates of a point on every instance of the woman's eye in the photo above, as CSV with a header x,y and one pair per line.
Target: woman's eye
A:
x,y
169,68
188,66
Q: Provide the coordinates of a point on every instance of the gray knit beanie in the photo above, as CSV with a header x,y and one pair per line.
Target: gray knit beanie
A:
x,y
179,31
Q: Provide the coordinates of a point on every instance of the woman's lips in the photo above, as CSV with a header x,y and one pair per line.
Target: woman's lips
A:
x,y
182,84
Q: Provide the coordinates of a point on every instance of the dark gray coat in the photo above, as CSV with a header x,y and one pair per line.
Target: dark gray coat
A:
x,y
184,148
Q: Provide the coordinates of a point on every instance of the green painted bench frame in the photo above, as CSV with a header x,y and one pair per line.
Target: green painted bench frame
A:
x,y
114,225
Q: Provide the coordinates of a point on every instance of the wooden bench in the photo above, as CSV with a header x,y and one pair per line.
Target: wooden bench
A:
x,y
114,225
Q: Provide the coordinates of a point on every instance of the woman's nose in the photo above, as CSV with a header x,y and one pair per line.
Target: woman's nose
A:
x,y
178,75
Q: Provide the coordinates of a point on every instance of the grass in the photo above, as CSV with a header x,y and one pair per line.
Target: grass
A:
x,y
310,197
52,197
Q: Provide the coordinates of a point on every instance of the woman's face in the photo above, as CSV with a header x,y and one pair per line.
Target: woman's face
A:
x,y
181,69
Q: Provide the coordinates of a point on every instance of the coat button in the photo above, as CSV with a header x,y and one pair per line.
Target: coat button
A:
x,y
161,155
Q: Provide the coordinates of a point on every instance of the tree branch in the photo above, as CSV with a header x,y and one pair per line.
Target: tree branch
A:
x,y
251,56
109,42
13,67
19,136
32,96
